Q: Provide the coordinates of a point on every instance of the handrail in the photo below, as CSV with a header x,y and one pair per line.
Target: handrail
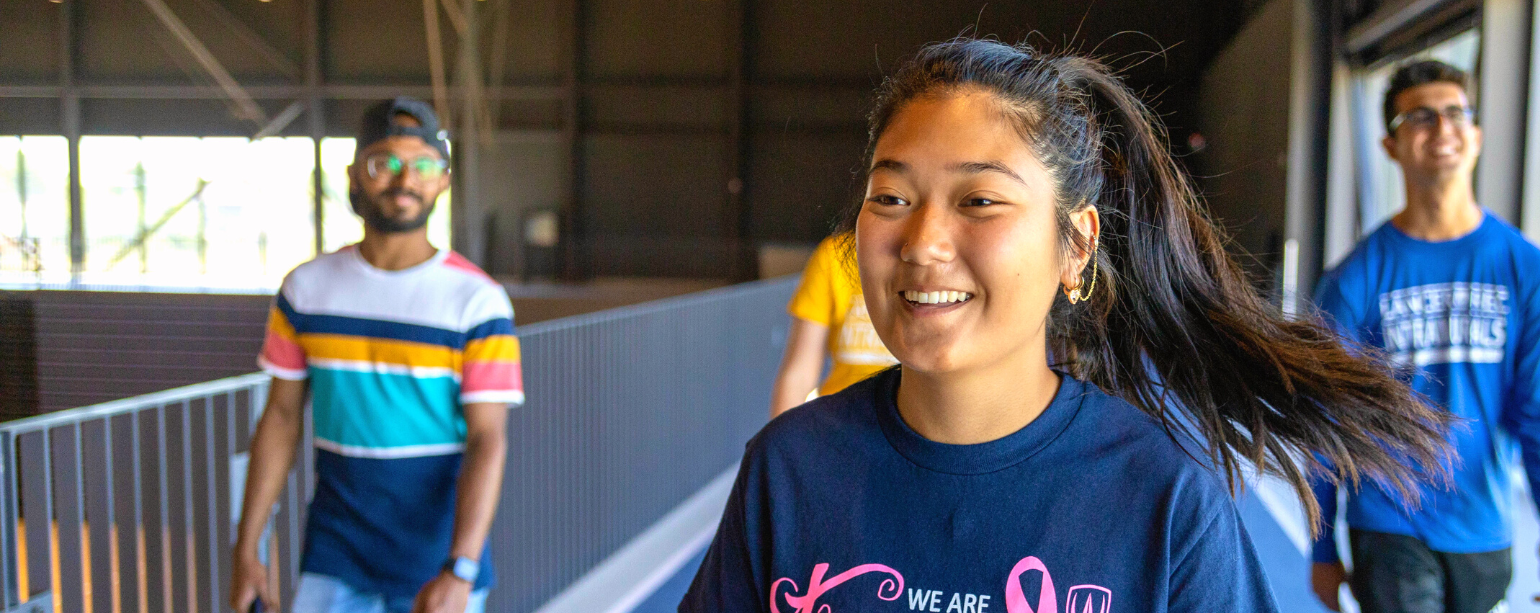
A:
x,y
125,405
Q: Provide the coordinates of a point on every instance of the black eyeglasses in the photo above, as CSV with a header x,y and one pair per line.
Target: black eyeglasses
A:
x,y
1424,117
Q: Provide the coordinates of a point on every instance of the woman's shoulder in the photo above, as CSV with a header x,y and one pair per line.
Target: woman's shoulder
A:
x,y
1117,436
838,420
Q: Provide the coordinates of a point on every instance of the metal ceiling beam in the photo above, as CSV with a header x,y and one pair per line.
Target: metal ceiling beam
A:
x,y
1386,20
738,214
276,92
572,246
436,62
316,118
69,113
281,120
244,103
492,109
456,16
469,219
252,39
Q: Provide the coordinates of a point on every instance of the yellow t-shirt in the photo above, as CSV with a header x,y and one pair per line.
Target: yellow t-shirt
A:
x,y
830,294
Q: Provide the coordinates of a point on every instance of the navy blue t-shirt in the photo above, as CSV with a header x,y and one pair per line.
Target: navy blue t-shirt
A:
x,y
1092,507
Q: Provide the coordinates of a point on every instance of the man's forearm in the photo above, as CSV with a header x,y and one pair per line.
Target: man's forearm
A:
x,y
272,455
476,493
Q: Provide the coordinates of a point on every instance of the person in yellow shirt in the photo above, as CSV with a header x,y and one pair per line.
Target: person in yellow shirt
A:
x,y
828,317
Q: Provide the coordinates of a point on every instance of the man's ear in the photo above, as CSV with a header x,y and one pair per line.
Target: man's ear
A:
x,y
1389,143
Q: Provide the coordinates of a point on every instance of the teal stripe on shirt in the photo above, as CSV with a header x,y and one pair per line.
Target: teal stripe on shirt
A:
x,y
381,410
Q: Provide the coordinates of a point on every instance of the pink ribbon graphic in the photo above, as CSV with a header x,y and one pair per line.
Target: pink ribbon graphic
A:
x,y
1016,601
816,587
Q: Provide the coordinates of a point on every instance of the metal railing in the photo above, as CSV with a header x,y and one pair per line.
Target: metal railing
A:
x,y
629,412
130,505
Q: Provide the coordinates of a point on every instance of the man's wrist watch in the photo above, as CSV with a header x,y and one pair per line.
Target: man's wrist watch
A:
x,y
463,568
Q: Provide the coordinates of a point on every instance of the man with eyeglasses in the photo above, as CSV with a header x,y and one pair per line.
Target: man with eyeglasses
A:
x,y
407,355
1450,293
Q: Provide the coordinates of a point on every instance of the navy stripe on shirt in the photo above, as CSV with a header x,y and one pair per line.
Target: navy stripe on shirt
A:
x,y
373,328
491,327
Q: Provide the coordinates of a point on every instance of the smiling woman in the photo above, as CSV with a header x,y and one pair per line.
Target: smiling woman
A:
x,y
1028,441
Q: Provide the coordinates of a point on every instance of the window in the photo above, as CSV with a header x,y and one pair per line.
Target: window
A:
x,y
34,207
213,212
1381,193
161,211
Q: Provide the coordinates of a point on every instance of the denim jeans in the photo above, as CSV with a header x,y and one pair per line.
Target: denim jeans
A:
x,y
323,594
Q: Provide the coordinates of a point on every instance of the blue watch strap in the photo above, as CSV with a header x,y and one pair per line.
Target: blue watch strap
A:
x,y
463,568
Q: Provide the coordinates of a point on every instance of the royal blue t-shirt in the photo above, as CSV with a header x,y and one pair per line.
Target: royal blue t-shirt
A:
x,y
1091,507
1464,315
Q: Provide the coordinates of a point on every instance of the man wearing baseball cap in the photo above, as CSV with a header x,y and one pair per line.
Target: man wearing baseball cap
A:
x,y
407,355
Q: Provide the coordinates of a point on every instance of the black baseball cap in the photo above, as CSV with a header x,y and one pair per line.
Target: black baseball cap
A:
x,y
380,122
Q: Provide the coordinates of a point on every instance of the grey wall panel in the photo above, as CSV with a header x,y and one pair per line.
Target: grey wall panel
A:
x,y
30,54
533,39
520,173
172,117
677,106
18,357
649,38
803,183
98,346
655,204
789,105
371,41
123,42
856,39
29,116
1244,115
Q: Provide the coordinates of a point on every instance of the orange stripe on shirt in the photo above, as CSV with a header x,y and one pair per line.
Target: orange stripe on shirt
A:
x,y
379,351
278,324
497,348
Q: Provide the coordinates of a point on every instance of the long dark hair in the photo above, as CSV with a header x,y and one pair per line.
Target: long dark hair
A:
x,y
1173,324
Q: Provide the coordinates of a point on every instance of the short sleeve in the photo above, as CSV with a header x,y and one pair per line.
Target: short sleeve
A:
x,y
815,300
1219,570
491,369
282,356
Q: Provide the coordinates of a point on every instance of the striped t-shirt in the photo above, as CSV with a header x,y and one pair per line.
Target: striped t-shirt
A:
x,y
391,356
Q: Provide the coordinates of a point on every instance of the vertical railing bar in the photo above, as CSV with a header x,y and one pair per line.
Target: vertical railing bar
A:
x,y
8,513
137,527
53,582
165,526
189,543
211,496
230,447
80,508
291,553
112,532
